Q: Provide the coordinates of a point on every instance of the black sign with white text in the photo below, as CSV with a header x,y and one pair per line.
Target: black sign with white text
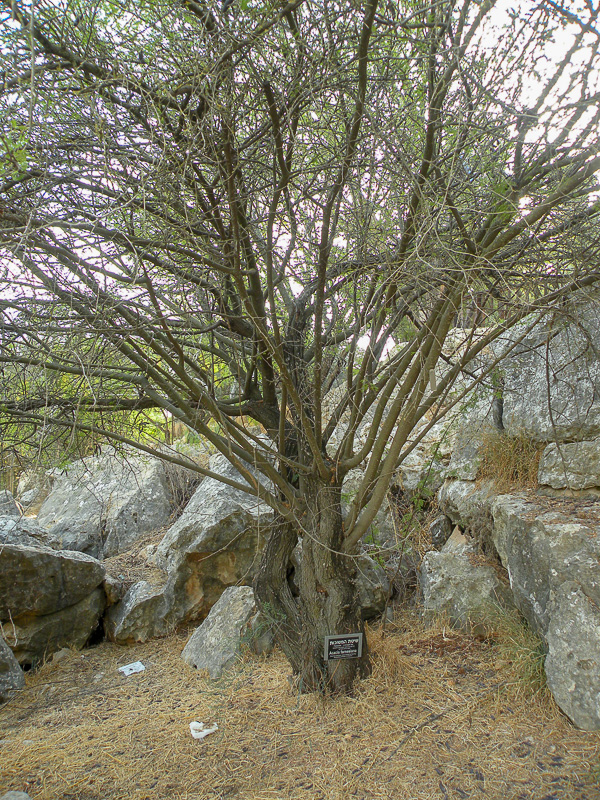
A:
x,y
347,646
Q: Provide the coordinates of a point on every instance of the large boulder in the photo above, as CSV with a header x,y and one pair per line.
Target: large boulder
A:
x,y
26,531
48,599
8,505
573,660
552,377
33,488
217,542
544,542
573,465
458,582
34,637
102,505
141,614
469,505
216,644
11,674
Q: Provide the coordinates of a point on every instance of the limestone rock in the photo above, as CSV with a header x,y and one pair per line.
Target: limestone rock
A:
x,y
573,660
11,674
102,505
38,580
48,599
139,615
457,582
575,465
469,506
216,542
33,488
440,531
552,377
25,531
15,796
33,638
215,645
8,505
373,587
469,442
543,543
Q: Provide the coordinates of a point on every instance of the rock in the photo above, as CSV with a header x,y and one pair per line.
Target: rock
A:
x,y
458,582
11,674
15,796
575,465
140,614
467,454
215,543
420,474
215,645
38,581
373,587
48,599
552,377
35,637
113,589
8,505
26,531
544,543
33,488
470,507
102,505
573,660
440,531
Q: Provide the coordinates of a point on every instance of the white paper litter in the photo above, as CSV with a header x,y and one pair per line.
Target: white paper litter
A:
x,y
199,730
130,669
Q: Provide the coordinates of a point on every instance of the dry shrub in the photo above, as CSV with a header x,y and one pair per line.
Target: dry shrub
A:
x,y
521,652
510,461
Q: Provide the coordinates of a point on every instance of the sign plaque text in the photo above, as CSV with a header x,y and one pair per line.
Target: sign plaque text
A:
x,y
349,645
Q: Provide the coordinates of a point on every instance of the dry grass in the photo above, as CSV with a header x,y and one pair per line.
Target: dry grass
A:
x,y
437,719
510,461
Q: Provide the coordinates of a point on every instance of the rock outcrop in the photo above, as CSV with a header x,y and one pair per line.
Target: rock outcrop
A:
x,y
48,599
8,505
543,543
102,505
571,465
552,377
457,582
216,543
573,661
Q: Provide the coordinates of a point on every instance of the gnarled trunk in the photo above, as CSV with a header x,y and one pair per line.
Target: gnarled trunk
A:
x,y
328,603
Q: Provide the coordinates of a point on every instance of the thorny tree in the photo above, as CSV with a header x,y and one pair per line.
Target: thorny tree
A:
x,y
276,212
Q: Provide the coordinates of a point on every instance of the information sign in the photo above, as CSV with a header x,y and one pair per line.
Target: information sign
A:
x,y
347,646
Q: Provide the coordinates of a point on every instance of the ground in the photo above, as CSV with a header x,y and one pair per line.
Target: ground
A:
x,y
443,716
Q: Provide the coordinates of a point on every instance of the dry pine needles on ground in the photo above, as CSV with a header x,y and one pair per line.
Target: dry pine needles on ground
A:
x,y
441,717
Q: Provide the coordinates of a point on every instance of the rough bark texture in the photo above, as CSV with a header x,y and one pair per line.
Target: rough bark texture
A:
x,y
328,603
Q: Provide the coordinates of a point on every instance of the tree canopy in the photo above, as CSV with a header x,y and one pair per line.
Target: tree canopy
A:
x,y
277,211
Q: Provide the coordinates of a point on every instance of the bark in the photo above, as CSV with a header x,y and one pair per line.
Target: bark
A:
x,y
328,603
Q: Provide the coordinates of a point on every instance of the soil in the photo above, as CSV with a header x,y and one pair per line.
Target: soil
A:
x,y
443,716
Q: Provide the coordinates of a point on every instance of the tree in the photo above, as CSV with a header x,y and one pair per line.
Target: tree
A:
x,y
277,212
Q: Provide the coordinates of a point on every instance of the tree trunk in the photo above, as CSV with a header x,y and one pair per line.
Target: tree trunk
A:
x,y
328,604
